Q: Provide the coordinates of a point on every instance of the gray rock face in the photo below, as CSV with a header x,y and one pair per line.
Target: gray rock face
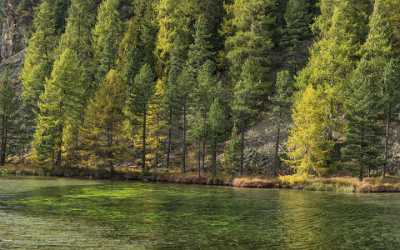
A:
x,y
11,35
11,67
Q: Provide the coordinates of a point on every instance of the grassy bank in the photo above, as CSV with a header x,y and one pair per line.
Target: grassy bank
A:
x,y
334,184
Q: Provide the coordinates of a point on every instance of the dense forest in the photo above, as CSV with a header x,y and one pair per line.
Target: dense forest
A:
x,y
183,84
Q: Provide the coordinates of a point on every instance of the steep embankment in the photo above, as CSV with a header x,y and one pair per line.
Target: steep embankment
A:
x,y
16,21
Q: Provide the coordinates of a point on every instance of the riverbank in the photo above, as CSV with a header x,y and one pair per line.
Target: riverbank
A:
x,y
308,183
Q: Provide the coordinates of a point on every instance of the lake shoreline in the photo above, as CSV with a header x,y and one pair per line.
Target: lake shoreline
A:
x,y
306,183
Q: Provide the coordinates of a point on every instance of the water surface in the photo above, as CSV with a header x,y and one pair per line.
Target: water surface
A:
x,y
76,214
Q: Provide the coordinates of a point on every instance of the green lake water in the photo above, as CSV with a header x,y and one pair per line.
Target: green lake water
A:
x,y
76,214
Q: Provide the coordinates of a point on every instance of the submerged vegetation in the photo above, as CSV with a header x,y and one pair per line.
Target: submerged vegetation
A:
x,y
70,214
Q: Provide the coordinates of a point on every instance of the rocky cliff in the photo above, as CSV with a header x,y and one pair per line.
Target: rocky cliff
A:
x,y
16,22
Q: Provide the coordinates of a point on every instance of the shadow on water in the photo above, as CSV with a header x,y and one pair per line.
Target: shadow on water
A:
x,y
137,215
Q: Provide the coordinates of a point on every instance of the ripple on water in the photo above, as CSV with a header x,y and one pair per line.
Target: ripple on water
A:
x,y
63,214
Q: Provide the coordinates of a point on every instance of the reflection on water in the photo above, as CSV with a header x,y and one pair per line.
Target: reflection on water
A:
x,y
74,214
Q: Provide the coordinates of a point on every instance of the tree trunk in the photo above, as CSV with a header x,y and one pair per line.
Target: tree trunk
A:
x,y
241,151
277,144
110,143
214,157
144,141
169,146
58,158
203,154
204,141
184,146
361,177
58,153
4,138
199,158
387,140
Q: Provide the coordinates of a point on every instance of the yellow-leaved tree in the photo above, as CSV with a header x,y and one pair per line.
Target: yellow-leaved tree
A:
x,y
308,143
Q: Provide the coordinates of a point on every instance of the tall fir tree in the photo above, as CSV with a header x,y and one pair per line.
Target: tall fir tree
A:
x,y
201,49
200,62
252,33
217,124
246,100
203,94
40,55
106,37
157,126
370,94
103,139
142,93
175,19
9,107
251,30
363,132
78,38
138,43
232,160
182,96
299,16
177,64
282,101
60,104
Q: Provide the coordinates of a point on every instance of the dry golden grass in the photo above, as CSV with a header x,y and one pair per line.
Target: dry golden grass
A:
x,y
342,184
255,182
337,184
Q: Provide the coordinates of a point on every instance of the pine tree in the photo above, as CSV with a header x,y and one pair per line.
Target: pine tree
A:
x,y
143,91
157,125
184,87
78,38
129,55
232,153
8,111
309,148
138,43
253,29
213,14
201,49
281,101
106,37
173,101
297,32
363,144
335,55
60,103
75,88
62,7
40,55
217,125
203,96
175,19
371,95
201,67
102,131
246,99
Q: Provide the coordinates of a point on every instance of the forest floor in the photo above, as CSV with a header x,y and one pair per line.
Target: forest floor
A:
x,y
309,183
